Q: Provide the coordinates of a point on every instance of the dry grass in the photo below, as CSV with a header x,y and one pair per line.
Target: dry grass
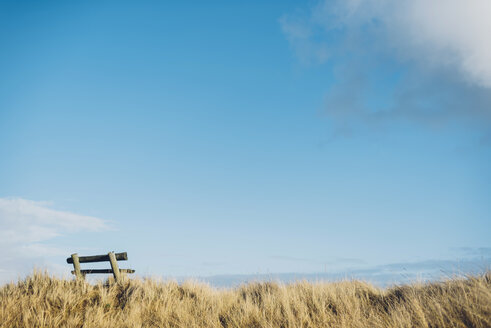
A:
x,y
44,301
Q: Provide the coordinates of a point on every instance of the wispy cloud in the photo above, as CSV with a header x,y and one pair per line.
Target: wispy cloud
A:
x,y
473,252
28,228
331,261
300,35
437,32
381,275
428,61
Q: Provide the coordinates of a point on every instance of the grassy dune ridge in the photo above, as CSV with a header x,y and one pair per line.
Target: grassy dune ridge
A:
x,y
44,301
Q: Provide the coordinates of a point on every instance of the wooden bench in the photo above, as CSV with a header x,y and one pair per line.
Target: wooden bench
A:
x,y
111,257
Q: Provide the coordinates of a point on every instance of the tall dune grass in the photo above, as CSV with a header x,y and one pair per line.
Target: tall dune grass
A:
x,y
44,301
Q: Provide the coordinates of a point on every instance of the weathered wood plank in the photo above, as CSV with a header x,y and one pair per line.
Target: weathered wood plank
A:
x,y
99,258
114,266
92,271
76,266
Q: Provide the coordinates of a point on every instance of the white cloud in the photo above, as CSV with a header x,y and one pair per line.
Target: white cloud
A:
x,y
26,229
453,34
299,35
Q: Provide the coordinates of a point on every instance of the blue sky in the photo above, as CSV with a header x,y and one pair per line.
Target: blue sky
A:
x,y
243,138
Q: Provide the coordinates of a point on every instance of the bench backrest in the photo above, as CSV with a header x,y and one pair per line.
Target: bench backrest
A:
x,y
110,257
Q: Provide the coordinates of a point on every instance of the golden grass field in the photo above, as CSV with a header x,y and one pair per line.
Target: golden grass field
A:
x,y
44,301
